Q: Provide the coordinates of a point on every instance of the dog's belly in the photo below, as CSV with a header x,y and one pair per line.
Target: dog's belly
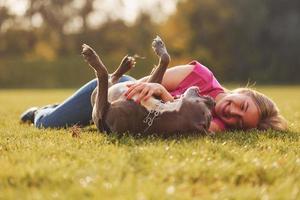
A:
x,y
117,91
127,116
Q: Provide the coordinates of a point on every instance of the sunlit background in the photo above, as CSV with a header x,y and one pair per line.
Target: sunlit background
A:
x,y
240,41
98,12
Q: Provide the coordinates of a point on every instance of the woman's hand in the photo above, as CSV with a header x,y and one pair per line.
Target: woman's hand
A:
x,y
146,90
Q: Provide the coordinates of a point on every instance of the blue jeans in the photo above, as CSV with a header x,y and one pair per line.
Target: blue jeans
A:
x,y
76,110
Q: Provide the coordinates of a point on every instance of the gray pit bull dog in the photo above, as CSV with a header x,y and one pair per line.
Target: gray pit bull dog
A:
x,y
191,113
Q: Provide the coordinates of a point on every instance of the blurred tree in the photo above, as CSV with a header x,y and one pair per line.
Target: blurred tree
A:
x,y
4,16
238,40
84,12
55,13
199,30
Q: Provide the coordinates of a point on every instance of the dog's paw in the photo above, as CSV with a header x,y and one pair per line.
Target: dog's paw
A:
x,y
91,57
86,50
128,62
159,46
88,53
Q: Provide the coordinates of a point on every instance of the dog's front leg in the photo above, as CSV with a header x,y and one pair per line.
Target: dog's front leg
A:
x,y
126,64
164,59
101,104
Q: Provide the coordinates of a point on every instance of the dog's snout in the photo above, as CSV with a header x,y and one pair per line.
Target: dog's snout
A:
x,y
210,102
205,123
192,92
209,119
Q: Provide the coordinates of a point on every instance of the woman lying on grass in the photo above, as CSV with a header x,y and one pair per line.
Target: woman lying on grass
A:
x,y
242,108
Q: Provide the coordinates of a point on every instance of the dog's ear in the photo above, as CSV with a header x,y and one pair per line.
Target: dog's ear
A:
x,y
210,102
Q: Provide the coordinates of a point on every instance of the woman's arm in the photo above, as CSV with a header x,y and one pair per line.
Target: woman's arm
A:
x,y
173,76
146,90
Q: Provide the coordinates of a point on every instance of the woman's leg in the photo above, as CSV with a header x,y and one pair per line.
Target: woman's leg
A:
x,y
76,110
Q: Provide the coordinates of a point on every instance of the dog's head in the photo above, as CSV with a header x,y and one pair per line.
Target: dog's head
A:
x,y
199,107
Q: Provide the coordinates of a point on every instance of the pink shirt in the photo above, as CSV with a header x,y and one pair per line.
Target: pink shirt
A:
x,y
202,77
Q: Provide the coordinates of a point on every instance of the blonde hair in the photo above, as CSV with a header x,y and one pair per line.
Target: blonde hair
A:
x,y
270,117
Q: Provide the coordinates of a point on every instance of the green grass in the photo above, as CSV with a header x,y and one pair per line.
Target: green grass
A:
x,y
51,164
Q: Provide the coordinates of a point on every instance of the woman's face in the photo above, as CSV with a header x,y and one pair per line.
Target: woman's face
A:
x,y
238,111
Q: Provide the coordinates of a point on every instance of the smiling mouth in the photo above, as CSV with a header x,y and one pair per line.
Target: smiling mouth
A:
x,y
225,109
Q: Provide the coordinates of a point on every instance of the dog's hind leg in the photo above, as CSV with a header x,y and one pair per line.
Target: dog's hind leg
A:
x,y
126,64
101,104
164,59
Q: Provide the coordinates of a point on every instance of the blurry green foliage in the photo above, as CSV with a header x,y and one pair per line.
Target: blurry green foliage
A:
x,y
238,40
